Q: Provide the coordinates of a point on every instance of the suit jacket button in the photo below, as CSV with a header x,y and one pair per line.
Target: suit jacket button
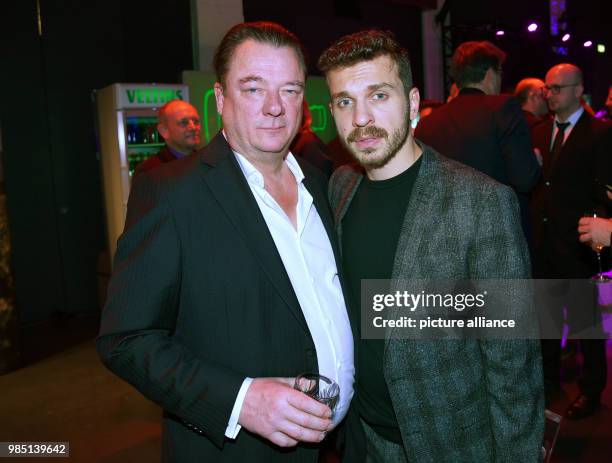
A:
x,y
545,219
547,183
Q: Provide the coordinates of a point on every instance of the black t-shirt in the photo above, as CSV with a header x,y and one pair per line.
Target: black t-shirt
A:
x,y
370,231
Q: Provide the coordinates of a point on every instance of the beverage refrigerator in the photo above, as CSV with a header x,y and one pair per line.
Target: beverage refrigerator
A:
x,y
126,132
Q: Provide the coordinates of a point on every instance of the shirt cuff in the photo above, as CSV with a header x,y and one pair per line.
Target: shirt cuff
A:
x,y
233,428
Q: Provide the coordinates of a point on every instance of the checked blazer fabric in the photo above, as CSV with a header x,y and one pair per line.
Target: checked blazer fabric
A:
x,y
457,400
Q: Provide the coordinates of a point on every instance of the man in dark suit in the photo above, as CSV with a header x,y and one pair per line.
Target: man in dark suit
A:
x,y
409,213
308,146
483,129
179,125
576,151
225,284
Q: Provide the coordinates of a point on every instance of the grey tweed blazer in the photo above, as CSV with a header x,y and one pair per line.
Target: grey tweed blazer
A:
x,y
459,400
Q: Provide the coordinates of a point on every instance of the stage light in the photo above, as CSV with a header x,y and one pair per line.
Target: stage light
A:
x,y
499,33
565,38
588,43
532,27
601,48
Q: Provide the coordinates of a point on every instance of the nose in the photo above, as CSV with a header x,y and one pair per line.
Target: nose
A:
x,y
273,104
362,115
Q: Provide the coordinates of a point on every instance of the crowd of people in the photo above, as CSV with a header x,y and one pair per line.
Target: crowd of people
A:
x,y
546,144
241,266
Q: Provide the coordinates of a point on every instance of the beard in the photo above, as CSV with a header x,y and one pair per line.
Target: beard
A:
x,y
393,144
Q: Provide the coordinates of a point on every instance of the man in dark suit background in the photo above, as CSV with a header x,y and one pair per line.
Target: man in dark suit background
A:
x,y
483,129
530,94
576,150
179,125
225,284
309,146
406,212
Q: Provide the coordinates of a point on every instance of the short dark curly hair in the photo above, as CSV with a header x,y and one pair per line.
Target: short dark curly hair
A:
x,y
261,31
365,46
472,60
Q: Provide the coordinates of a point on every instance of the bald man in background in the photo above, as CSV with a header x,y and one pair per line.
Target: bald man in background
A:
x,y
575,148
530,93
179,125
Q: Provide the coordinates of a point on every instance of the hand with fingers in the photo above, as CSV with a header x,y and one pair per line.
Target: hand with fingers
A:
x,y
276,411
595,232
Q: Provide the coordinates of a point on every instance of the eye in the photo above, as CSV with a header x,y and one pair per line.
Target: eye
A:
x,y
251,90
343,102
379,96
292,91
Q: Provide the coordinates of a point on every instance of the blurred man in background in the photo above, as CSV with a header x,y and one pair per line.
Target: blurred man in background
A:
x,y
530,94
179,125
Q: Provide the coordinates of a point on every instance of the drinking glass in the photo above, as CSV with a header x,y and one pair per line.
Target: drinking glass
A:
x,y
599,277
319,387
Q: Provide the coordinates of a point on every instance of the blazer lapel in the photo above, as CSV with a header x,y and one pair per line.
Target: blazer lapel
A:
x,y
572,144
416,223
577,136
544,142
340,210
231,190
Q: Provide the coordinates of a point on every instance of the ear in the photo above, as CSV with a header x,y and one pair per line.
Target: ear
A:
x,y
219,97
163,130
579,90
414,99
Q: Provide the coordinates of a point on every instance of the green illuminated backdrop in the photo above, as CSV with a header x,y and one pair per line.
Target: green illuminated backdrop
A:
x,y
202,97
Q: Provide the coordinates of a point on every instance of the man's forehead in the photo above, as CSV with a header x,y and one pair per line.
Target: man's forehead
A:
x,y
560,75
253,59
382,63
183,111
178,105
376,72
553,77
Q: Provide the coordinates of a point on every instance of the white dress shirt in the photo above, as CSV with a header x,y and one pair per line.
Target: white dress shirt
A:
x,y
310,264
572,122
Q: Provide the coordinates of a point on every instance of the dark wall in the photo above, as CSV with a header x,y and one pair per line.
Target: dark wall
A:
x,y
531,55
51,169
318,23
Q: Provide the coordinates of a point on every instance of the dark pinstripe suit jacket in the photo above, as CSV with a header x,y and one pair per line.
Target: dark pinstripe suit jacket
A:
x,y
568,189
199,299
458,400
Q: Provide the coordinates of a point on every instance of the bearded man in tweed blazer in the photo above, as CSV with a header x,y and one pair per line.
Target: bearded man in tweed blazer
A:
x,y
418,215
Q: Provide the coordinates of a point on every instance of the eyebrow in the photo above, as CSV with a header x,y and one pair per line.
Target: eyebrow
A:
x,y
371,88
249,79
340,95
379,86
297,83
